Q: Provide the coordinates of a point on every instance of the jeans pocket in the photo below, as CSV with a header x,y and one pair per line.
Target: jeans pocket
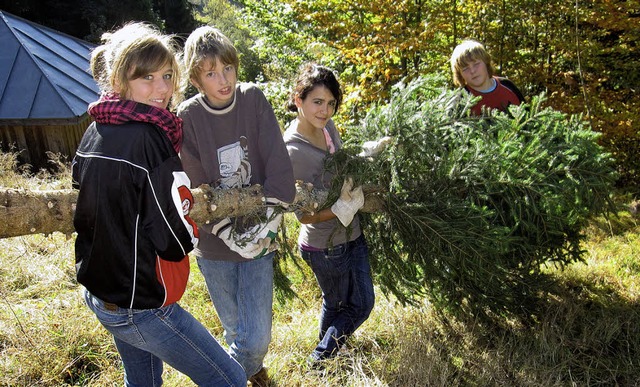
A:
x,y
335,251
308,255
163,312
107,317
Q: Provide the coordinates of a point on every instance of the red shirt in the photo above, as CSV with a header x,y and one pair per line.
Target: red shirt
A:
x,y
504,94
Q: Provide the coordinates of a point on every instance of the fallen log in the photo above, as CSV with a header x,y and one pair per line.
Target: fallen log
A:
x,y
26,212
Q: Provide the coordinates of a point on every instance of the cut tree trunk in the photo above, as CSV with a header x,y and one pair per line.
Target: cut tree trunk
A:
x,y
27,212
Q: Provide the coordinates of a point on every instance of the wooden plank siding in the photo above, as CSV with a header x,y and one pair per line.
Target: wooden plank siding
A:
x,y
34,141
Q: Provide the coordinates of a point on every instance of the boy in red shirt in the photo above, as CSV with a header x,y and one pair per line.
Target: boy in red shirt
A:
x,y
472,70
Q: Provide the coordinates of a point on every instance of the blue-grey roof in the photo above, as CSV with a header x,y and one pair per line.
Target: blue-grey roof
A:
x,y
44,74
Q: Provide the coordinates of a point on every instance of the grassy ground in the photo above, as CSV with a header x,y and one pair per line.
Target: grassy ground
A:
x,y
587,334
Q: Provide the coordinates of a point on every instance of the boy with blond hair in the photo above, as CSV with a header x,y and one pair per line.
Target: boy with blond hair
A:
x,y
232,139
472,70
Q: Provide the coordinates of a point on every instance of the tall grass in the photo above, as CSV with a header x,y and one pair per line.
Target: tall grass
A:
x,y
587,334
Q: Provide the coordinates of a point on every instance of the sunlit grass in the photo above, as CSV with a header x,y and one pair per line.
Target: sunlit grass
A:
x,y
47,335
19,177
587,332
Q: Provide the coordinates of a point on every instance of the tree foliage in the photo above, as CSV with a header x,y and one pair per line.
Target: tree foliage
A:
x,y
228,19
280,42
88,20
177,15
476,206
583,55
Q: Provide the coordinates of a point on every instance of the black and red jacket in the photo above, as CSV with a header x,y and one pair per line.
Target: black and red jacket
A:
x,y
134,232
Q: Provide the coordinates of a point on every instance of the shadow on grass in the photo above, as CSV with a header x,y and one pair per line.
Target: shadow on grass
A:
x,y
583,332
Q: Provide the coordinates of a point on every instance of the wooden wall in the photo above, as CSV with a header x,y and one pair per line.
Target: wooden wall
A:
x,y
34,141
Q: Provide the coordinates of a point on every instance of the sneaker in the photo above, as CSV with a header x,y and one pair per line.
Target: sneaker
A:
x,y
260,379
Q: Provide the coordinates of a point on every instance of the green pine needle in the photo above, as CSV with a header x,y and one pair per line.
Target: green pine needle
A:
x,y
475,206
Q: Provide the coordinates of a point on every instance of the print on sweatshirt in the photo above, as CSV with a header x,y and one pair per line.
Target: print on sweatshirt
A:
x,y
235,168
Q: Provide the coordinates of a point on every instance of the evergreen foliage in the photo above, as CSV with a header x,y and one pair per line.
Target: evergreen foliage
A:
x,y
475,207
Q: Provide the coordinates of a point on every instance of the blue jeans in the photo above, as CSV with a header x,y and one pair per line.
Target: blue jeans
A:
x,y
344,276
242,294
147,337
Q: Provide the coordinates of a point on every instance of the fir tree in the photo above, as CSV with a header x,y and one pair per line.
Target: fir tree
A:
x,y
475,206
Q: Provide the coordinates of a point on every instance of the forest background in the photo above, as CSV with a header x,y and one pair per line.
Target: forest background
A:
x,y
584,55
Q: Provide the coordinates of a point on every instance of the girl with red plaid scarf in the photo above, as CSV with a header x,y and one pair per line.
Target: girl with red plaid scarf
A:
x,y
132,215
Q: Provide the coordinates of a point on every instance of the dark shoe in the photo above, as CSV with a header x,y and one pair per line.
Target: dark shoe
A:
x,y
260,379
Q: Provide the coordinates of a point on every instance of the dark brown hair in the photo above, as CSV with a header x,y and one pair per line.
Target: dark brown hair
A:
x,y
310,76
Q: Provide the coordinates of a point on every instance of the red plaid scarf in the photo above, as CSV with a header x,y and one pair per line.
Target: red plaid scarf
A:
x,y
110,109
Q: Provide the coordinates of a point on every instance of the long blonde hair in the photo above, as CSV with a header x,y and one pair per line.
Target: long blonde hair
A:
x,y
131,52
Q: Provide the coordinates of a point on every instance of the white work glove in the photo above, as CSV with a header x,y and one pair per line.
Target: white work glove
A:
x,y
350,201
373,148
265,233
244,244
259,240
